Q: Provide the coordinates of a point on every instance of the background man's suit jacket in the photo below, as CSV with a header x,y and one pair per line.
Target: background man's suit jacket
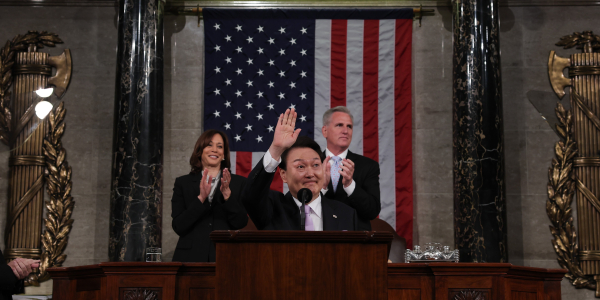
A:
x,y
365,199
9,284
271,210
193,220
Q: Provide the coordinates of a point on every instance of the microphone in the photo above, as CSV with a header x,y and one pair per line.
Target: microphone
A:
x,y
304,195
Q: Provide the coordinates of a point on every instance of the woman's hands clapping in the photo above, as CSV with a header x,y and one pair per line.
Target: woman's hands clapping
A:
x,y
205,185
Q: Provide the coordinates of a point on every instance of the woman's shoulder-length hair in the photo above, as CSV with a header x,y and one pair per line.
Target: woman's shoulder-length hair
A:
x,y
203,142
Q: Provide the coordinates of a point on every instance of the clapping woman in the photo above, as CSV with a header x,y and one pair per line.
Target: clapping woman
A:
x,y
207,199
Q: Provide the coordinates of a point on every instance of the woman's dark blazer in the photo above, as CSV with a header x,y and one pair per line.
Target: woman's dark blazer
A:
x,y
193,220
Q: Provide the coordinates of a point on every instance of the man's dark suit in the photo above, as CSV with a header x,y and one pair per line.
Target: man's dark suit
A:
x,y
271,210
365,199
9,283
193,220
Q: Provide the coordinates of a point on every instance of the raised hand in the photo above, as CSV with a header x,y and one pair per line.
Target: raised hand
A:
x,y
21,267
205,185
327,172
225,180
285,134
347,171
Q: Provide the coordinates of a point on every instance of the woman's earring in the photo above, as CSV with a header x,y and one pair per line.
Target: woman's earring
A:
x,y
223,158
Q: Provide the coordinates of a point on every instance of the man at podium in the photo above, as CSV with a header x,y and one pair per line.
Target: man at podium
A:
x,y
301,165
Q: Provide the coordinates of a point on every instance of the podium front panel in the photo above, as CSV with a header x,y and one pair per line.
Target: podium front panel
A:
x,y
302,265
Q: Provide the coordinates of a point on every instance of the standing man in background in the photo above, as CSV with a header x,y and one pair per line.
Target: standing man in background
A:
x,y
352,179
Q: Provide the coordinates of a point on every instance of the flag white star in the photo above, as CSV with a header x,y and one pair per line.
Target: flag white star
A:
x,y
217,48
270,128
260,72
293,41
282,30
281,96
303,74
239,71
271,62
228,60
281,73
260,94
260,116
271,106
271,84
249,61
260,50
228,38
303,30
218,70
238,28
249,83
217,113
293,63
259,138
303,52
237,138
271,41
238,93
238,49
227,103
227,126
217,26
238,116
249,127
260,28
292,106
249,105
303,96
250,40
282,52
292,85
217,92
228,82
303,118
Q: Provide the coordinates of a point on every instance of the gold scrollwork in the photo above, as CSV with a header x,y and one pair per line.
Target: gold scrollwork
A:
x,y
7,55
58,222
561,188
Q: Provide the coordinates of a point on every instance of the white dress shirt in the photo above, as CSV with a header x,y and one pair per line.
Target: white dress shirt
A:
x,y
350,189
270,166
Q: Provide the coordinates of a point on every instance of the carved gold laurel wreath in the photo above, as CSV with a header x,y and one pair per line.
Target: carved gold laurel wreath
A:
x,y
561,188
58,221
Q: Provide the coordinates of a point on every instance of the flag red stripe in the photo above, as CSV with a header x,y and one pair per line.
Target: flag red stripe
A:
x,y
339,39
243,163
370,89
277,183
403,130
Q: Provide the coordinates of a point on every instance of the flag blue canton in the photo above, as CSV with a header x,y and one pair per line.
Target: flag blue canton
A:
x,y
254,71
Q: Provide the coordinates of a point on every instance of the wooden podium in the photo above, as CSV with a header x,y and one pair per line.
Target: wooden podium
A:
x,y
304,265
301,265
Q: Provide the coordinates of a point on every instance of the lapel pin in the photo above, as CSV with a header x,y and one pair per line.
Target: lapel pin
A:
x,y
335,216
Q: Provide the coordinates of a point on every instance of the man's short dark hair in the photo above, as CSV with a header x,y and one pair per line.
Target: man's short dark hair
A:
x,y
301,142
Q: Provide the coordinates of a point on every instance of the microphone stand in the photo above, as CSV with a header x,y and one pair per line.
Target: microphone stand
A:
x,y
304,196
302,215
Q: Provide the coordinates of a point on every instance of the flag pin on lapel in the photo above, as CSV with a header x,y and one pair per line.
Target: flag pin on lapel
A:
x,y
335,216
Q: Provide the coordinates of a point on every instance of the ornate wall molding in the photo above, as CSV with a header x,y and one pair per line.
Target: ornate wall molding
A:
x,y
292,3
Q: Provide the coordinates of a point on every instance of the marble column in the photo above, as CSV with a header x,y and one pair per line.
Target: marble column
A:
x,y
136,192
479,185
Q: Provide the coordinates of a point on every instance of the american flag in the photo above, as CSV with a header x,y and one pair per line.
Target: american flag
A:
x,y
260,62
